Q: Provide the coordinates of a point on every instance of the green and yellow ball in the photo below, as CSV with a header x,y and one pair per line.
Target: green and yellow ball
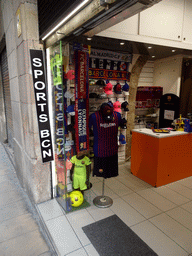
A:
x,y
76,198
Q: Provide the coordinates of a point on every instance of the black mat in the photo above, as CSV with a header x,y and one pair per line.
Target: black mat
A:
x,y
111,236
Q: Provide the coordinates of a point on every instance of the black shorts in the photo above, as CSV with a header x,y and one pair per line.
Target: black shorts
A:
x,y
109,165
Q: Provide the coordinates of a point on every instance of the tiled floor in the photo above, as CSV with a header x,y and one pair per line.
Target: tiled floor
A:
x,y
162,217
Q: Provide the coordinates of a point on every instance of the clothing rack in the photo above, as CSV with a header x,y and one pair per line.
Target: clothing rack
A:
x,y
103,201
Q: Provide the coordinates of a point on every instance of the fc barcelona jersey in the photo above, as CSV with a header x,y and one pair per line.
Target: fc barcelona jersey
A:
x,y
105,134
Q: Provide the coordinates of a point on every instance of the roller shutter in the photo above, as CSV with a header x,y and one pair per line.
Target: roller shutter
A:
x,y
7,97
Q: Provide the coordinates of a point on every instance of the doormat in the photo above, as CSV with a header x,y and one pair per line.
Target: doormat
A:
x,y
111,236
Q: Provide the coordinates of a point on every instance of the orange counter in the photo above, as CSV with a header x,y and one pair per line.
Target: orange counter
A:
x,y
160,159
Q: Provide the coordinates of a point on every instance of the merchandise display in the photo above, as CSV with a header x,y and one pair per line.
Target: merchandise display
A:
x,y
187,126
88,98
100,83
125,105
161,130
76,198
108,89
68,95
93,95
125,88
70,75
123,123
122,139
117,106
117,88
105,132
105,123
71,110
80,171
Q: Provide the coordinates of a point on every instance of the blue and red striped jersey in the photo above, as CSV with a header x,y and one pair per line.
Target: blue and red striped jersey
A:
x,y
105,134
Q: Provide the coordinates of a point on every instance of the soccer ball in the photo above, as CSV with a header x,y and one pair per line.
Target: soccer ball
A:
x,y
76,198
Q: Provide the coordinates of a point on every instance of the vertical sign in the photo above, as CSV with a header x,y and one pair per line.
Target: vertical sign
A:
x,y
38,73
81,99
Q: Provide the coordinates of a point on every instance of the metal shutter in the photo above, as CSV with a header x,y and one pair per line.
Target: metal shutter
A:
x,y
7,97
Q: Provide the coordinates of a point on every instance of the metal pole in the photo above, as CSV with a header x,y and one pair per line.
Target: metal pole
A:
x,y
103,201
103,187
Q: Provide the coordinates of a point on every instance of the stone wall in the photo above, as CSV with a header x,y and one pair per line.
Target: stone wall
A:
x,y
135,74
33,175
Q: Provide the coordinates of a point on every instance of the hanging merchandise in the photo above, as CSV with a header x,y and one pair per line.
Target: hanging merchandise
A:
x,y
125,88
71,110
109,65
105,123
117,88
70,75
108,89
124,106
100,83
59,89
68,95
122,139
81,99
117,106
123,123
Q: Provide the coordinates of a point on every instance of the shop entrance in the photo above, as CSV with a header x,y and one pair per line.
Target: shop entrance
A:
x,y
84,80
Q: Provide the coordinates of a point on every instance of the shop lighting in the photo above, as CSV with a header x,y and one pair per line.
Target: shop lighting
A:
x,y
89,38
122,43
65,19
153,56
149,47
173,50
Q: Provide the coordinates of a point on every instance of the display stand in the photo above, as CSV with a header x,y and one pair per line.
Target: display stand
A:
x,y
103,201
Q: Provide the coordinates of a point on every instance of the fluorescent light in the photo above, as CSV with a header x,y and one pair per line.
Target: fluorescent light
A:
x,y
65,19
89,38
173,50
122,43
149,47
50,106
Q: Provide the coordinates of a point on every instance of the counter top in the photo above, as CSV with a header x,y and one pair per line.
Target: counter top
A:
x,y
159,135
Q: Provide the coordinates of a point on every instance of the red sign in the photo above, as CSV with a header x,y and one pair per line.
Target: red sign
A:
x,y
109,74
82,75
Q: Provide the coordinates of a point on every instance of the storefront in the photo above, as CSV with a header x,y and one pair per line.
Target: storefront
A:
x,y
80,80
76,70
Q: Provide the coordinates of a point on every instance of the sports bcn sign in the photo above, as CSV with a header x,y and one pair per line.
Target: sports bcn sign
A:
x,y
39,84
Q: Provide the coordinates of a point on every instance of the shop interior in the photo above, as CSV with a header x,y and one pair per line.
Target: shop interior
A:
x,y
126,193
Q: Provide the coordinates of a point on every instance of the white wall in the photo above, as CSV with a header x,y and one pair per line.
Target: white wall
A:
x,y
167,73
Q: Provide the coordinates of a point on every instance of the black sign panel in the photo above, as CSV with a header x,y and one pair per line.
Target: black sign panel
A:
x,y
38,72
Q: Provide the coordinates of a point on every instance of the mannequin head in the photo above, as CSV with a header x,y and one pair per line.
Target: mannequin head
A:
x,y
81,154
106,111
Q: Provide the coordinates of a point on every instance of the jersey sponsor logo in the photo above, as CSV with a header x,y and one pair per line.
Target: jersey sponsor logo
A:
x,y
108,125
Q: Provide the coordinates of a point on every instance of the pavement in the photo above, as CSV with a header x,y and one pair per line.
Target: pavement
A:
x,y
21,230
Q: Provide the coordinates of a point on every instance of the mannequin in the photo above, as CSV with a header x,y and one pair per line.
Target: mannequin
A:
x,y
105,123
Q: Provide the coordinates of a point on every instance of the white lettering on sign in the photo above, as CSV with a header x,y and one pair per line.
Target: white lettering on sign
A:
x,y
40,95
45,133
38,73
41,104
43,118
82,122
41,87
37,62
82,72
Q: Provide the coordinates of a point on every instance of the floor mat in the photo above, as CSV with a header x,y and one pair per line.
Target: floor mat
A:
x,y
111,236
